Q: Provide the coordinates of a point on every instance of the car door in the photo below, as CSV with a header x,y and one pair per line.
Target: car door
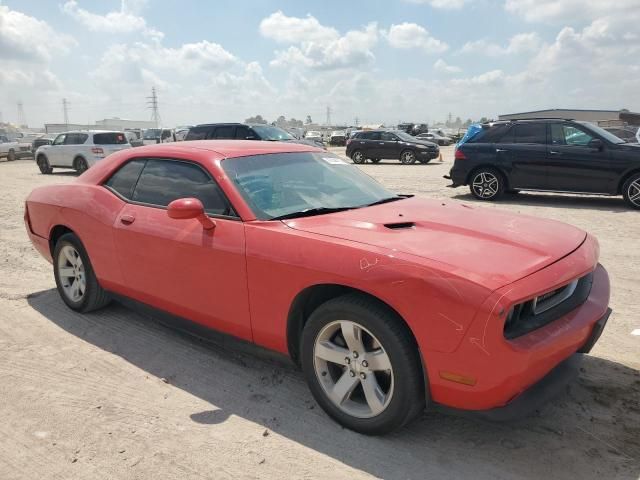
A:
x,y
388,146
575,164
522,152
176,265
365,142
54,153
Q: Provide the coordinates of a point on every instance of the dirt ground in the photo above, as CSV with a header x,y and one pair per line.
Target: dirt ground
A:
x,y
115,394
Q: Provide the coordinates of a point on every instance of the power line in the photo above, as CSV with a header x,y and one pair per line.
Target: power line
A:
x,y
65,109
152,103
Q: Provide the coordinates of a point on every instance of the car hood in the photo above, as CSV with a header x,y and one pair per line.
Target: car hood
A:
x,y
485,245
427,143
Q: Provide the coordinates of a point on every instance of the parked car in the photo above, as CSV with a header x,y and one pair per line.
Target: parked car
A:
x,y
10,149
42,140
338,138
435,138
376,145
243,131
549,155
628,134
390,303
79,150
152,136
182,132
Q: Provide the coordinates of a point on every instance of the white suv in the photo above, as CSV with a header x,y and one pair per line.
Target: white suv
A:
x,y
80,149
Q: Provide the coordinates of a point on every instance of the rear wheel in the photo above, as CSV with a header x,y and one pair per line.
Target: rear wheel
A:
x,y
631,191
11,156
362,365
487,184
80,164
407,157
43,165
358,157
75,279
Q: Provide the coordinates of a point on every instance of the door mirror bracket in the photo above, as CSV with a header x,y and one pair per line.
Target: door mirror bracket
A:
x,y
187,208
596,144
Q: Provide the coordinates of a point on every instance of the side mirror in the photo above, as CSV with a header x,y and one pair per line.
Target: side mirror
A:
x,y
187,208
596,144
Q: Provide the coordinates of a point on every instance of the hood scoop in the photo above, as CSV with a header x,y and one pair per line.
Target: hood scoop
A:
x,y
399,225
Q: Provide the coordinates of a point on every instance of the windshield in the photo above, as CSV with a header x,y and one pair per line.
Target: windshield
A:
x,y
267,132
405,136
151,134
602,132
279,184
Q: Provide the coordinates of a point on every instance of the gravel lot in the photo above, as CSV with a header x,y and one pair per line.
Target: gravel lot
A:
x,y
115,394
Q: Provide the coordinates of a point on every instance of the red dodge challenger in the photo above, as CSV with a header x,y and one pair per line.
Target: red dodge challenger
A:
x,y
389,303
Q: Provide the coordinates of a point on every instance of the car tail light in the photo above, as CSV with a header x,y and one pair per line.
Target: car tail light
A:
x,y
459,155
97,150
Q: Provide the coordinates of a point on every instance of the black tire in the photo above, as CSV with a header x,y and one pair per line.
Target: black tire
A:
x,y
375,160
94,296
409,394
11,156
358,157
487,183
80,165
43,165
407,157
631,191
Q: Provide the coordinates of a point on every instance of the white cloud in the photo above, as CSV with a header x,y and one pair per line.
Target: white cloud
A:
x,y
520,43
27,39
411,35
313,45
443,4
125,20
441,66
568,11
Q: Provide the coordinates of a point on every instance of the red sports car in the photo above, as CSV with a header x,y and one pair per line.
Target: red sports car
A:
x,y
389,303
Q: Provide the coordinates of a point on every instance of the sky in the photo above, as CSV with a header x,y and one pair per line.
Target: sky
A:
x,y
380,61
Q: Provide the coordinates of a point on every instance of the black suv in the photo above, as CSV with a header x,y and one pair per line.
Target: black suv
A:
x,y
547,155
375,145
242,131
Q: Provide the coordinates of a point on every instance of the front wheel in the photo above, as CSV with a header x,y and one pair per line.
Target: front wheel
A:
x,y
43,165
75,279
362,365
11,156
631,191
358,157
487,184
407,157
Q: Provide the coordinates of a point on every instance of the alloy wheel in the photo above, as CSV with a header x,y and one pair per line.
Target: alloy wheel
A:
x,y
358,157
72,274
353,369
485,185
633,192
408,157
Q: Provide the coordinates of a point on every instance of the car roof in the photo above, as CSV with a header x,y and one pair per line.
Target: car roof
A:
x,y
228,148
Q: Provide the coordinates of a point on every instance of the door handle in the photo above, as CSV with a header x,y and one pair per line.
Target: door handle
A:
x,y
381,143
501,150
553,152
127,219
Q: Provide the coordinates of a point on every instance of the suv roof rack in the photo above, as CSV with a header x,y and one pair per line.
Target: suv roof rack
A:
x,y
535,118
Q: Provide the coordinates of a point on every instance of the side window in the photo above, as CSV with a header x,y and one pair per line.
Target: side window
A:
x,y
388,136
60,139
76,138
125,178
225,131
373,136
569,135
197,133
163,181
531,133
242,132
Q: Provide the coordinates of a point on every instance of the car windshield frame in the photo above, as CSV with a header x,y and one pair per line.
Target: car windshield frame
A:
x,y
297,184
608,136
272,133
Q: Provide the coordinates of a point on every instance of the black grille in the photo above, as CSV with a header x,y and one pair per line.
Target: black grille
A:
x,y
522,319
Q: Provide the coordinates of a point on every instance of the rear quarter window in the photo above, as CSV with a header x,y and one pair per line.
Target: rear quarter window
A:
x,y
110,138
494,134
125,178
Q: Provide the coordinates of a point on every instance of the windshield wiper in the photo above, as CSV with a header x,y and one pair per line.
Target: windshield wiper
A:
x,y
309,212
384,200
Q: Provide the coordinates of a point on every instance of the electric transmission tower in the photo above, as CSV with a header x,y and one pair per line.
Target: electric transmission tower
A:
x,y
152,103
22,121
65,109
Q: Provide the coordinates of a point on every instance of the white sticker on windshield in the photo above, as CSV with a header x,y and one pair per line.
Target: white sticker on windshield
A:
x,y
334,160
